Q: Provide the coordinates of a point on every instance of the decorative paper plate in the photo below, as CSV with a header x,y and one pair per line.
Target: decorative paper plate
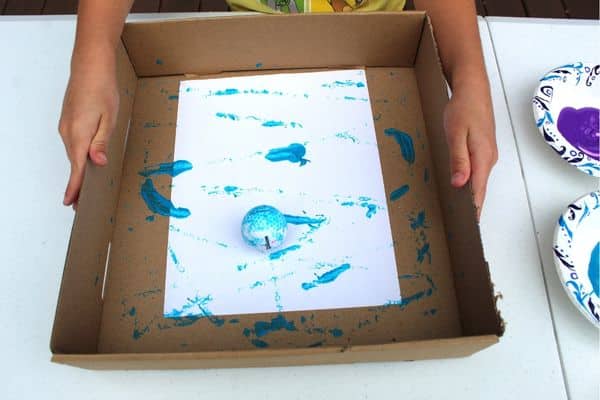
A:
x,y
566,107
577,254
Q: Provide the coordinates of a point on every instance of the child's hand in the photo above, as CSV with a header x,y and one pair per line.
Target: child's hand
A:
x,y
470,128
89,115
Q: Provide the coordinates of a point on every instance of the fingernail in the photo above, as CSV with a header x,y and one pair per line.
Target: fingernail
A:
x,y
458,178
102,157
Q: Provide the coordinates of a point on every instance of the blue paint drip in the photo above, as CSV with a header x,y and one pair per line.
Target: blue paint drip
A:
x,y
150,218
271,123
173,168
160,205
327,277
398,193
594,269
405,142
336,332
293,153
276,255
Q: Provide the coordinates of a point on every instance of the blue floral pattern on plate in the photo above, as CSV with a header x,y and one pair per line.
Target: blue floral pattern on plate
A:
x,y
577,254
566,108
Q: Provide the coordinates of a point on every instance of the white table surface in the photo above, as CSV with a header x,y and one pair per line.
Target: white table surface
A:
x,y
551,183
34,67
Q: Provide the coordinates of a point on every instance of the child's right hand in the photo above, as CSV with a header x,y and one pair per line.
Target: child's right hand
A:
x,y
88,115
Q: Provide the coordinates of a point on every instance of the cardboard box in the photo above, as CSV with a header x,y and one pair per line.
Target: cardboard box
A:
x,y
109,312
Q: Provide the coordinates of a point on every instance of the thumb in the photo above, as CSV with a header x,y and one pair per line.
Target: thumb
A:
x,y
99,147
460,164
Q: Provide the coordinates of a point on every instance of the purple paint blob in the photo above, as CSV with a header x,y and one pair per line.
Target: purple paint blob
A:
x,y
581,129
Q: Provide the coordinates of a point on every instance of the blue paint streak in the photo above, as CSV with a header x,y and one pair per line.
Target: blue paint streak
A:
x,y
346,83
226,92
159,61
594,269
346,135
336,332
173,168
405,142
259,65
293,153
271,124
301,220
422,252
327,277
160,205
234,321
398,193
256,284
242,267
276,255
232,190
151,124
150,218
563,224
173,97
232,117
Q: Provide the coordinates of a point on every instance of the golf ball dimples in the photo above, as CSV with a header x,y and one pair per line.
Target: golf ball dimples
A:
x,y
264,228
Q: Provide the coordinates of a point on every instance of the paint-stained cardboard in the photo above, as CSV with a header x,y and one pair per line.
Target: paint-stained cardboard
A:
x,y
109,313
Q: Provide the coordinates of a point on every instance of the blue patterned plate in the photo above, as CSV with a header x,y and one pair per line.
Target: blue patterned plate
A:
x,y
577,254
566,107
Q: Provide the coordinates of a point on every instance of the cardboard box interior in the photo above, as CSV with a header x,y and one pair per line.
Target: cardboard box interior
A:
x,y
109,312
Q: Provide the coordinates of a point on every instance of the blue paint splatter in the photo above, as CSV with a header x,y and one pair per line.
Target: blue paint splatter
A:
x,y
159,204
150,218
422,252
406,300
405,142
336,332
138,333
232,190
132,311
256,284
262,328
272,123
173,168
371,209
159,61
327,277
398,193
418,221
242,267
594,269
234,321
173,97
226,92
230,116
130,229
276,255
175,260
293,153
193,310
346,135
259,65
259,343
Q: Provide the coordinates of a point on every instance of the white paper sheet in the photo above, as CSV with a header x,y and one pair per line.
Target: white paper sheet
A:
x,y
225,128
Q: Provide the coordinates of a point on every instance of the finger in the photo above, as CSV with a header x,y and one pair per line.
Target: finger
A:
x,y
460,163
75,179
482,166
99,147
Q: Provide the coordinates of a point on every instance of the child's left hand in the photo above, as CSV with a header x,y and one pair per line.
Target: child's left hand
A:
x,y
470,129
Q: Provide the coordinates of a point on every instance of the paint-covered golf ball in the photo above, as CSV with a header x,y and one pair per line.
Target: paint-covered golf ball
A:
x,y
264,228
